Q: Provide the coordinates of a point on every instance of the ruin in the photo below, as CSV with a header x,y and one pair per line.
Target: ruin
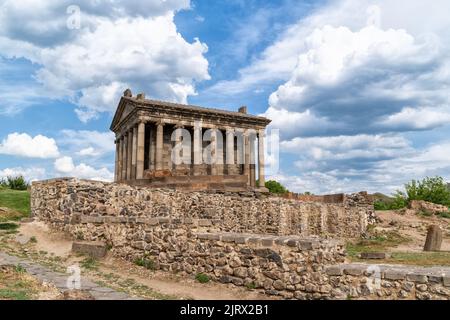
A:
x,y
170,145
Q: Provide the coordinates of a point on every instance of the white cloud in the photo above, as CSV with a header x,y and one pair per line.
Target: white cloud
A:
x,y
119,45
88,152
87,143
417,119
347,147
66,166
23,145
277,61
30,174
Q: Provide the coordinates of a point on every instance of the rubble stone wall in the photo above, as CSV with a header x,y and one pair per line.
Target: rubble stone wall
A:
x,y
252,212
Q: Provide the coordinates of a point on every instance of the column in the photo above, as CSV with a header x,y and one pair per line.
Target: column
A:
x,y
129,153
230,151
124,156
198,148
261,164
140,150
247,156
159,145
214,152
177,160
116,161
134,154
252,138
120,162
151,149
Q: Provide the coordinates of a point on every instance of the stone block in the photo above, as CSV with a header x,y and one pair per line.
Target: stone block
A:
x,y
434,239
335,271
417,277
446,280
392,274
95,250
204,223
153,221
374,255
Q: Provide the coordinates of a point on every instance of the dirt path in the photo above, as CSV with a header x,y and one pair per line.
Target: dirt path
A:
x,y
166,284
183,287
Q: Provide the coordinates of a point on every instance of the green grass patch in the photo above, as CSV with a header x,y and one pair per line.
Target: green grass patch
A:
x,y
379,242
421,258
89,263
17,201
145,262
8,226
445,215
202,278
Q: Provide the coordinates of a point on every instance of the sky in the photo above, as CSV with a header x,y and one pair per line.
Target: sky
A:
x,y
358,89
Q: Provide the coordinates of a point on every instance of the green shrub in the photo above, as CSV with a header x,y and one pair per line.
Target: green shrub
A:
x,y
445,215
433,190
19,269
398,201
8,226
275,187
15,183
33,239
202,278
145,262
89,263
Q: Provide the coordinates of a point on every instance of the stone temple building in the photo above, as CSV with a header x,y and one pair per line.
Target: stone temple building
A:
x,y
168,145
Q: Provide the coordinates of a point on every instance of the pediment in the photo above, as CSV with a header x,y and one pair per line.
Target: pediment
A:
x,y
123,110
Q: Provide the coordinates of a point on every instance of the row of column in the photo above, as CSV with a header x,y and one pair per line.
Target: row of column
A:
x,y
130,152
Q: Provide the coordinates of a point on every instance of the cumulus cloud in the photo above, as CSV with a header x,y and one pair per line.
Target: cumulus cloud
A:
x,y
23,145
417,119
355,78
30,174
87,143
119,44
66,166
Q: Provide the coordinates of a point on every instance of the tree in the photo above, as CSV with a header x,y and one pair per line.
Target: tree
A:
x,y
429,189
17,183
275,187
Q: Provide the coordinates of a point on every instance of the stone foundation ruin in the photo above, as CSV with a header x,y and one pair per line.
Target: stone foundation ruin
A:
x,y
285,247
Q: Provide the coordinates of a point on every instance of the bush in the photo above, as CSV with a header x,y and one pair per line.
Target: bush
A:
x,y
202,278
397,202
145,262
433,190
14,183
275,187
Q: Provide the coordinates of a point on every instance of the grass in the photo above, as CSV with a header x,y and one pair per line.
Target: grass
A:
x,y
202,278
146,263
421,258
15,285
8,226
378,242
89,263
445,215
17,201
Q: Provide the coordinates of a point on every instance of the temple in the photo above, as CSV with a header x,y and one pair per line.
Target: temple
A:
x,y
169,145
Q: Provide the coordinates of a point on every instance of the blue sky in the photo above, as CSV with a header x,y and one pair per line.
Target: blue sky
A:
x,y
358,89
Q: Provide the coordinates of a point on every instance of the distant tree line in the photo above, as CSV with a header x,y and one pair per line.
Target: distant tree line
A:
x,y
14,183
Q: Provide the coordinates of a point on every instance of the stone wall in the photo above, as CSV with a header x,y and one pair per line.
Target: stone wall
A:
x,y
247,239
252,212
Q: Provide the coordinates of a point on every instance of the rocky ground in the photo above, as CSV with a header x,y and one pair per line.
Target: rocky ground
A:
x,y
402,234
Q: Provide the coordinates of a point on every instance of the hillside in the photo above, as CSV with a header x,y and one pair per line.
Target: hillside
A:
x,y
14,205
